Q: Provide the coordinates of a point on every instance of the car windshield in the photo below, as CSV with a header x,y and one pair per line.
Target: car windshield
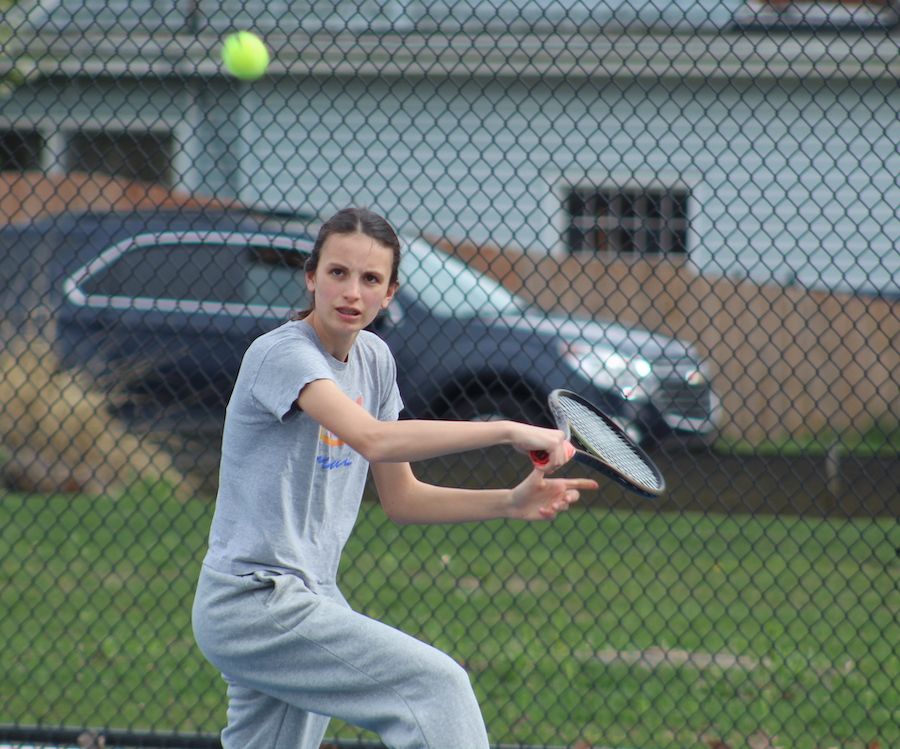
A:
x,y
448,287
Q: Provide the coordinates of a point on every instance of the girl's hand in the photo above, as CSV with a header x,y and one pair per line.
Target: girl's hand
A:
x,y
552,442
542,498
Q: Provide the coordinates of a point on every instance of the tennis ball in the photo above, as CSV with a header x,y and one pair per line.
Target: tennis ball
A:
x,y
245,56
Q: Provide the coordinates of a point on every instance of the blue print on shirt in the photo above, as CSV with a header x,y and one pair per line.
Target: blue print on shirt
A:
x,y
330,464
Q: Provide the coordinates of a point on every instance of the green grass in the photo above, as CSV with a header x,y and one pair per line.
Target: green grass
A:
x,y
95,621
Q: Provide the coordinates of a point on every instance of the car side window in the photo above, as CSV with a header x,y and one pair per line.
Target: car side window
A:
x,y
449,288
275,278
197,272
206,272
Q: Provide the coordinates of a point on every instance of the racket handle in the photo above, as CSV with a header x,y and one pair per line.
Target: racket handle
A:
x,y
539,458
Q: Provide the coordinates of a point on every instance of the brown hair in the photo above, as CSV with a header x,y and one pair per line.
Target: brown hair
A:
x,y
354,221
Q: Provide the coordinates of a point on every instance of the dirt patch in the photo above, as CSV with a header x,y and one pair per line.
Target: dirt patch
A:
x,y
653,658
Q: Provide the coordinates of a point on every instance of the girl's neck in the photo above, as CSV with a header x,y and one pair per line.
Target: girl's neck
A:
x,y
338,348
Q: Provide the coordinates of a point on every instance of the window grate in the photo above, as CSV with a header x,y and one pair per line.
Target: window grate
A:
x,y
646,221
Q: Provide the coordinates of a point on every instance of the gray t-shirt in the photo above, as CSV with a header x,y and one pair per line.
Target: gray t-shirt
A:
x,y
289,490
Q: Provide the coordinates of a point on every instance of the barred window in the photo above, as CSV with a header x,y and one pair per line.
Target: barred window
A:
x,y
133,155
625,220
817,14
20,150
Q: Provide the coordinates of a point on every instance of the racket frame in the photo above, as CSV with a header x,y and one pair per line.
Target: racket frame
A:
x,y
585,457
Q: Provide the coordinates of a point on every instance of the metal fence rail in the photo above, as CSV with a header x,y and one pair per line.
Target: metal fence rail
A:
x,y
684,211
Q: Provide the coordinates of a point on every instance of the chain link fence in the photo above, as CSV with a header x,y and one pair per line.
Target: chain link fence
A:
x,y
686,211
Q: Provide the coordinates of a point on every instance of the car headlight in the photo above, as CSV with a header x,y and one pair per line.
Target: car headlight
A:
x,y
608,368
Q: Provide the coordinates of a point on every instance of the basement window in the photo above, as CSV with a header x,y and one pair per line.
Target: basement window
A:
x,y
142,156
20,150
626,220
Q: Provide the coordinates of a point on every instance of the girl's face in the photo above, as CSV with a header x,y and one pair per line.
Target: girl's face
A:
x,y
351,286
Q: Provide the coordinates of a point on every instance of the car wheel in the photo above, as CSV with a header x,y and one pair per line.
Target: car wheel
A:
x,y
494,407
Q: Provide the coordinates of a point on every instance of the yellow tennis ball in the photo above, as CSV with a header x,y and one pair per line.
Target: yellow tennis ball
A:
x,y
245,55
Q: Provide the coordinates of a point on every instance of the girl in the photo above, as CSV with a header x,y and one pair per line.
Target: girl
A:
x,y
314,407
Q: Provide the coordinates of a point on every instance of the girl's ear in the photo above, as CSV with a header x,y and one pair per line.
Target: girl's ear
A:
x,y
392,289
310,282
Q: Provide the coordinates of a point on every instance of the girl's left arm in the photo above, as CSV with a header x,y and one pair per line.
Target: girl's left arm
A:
x,y
407,500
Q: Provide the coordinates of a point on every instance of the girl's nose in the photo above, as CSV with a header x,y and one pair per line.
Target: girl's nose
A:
x,y
351,289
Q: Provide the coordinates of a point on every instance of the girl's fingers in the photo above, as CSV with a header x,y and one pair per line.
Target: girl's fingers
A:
x,y
546,497
542,459
570,495
563,504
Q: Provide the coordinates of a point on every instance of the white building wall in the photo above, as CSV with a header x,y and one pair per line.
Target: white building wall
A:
x,y
790,157
787,182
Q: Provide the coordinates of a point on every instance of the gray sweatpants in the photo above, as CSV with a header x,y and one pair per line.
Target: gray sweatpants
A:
x,y
292,658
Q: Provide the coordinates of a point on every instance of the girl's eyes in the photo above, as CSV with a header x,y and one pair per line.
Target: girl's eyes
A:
x,y
370,278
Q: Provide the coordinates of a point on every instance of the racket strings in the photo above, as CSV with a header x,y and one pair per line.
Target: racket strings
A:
x,y
607,444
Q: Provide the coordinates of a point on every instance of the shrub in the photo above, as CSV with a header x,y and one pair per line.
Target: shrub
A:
x,y
58,432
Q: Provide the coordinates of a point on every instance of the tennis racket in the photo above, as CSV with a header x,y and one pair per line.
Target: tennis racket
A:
x,y
602,445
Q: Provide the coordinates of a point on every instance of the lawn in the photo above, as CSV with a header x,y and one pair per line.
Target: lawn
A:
x,y
638,629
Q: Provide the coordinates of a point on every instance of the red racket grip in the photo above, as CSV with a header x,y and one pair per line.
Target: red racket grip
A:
x,y
539,458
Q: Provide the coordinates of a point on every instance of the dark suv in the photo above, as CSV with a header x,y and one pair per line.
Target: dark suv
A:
x,y
170,313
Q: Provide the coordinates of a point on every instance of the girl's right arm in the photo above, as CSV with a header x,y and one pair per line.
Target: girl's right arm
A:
x,y
412,440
